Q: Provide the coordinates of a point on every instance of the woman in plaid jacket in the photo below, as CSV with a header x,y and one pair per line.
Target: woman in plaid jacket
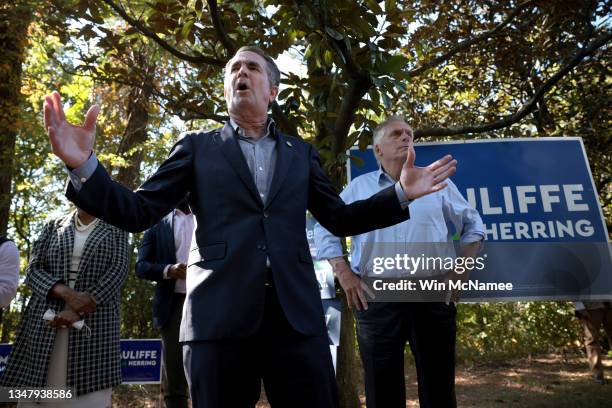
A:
x,y
76,270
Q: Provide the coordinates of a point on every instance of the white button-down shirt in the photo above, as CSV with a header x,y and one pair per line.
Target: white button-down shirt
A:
x,y
182,227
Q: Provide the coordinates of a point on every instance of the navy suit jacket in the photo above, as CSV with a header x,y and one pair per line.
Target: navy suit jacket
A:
x,y
236,231
156,251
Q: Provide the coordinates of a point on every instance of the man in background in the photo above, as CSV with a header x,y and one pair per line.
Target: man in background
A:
x,y
383,328
162,257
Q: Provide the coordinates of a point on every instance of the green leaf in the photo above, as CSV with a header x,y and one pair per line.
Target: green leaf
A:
x,y
186,30
334,34
390,6
285,93
95,14
366,29
357,160
393,64
328,57
373,5
386,100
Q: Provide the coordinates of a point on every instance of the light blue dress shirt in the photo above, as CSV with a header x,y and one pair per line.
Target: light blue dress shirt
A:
x,y
430,218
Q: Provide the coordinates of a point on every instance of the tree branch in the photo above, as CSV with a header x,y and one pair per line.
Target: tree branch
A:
x,y
357,89
220,29
529,105
359,83
189,112
353,68
196,59
468,43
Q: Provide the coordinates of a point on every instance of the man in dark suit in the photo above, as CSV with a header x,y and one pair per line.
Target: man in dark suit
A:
x,y
162,257
252,308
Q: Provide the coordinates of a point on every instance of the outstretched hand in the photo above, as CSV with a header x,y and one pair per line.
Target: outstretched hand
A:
x,y
72,144
419,181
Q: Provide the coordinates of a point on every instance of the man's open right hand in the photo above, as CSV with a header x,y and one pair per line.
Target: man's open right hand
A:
x,y
72,144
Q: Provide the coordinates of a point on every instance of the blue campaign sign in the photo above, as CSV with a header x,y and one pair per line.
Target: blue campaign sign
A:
x,y
325,275
332,308
544,225
5,350
141,361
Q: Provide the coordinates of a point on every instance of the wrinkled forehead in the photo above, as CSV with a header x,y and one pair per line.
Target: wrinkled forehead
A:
x,y
397,127
247,57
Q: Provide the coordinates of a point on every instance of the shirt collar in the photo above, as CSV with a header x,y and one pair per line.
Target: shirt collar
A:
x,y
270,129
382,176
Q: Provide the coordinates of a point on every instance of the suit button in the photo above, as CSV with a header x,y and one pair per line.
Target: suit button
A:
x,y
262,247
265,214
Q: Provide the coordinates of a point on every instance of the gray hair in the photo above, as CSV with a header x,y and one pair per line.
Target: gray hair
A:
x,y
379,131
271,67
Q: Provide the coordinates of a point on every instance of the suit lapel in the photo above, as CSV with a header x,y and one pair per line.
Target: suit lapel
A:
x,y
98,233
232,152
284,158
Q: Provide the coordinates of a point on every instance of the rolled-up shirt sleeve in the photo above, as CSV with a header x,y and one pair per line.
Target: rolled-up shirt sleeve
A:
x,y
81,174
327,244
465,219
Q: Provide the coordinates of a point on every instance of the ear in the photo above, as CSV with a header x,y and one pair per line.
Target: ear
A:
x,y
378,150
273,93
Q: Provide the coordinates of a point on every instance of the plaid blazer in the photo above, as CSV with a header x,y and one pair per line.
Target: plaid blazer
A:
x,y
93,362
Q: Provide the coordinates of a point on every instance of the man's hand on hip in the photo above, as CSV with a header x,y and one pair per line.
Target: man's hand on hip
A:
x,y
72,144
352,285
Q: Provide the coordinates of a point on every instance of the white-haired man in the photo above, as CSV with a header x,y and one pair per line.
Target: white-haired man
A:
x,y
383,328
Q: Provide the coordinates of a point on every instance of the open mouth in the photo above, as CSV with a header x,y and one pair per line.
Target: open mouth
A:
x,y
242,87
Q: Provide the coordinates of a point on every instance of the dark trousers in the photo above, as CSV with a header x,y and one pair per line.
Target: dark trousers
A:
x,y
297,370
382,333
176,392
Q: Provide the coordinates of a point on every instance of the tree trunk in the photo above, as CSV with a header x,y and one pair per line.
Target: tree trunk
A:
x,y
14,21
347,372
131,146
336,131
